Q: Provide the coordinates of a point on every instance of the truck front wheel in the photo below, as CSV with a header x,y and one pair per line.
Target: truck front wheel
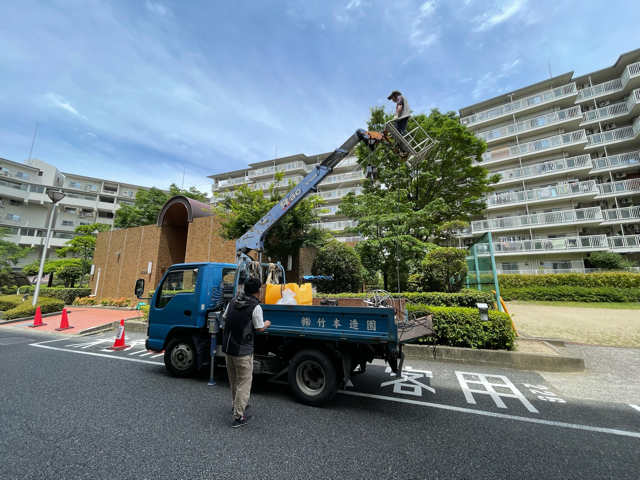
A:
x,y
180,357
312,378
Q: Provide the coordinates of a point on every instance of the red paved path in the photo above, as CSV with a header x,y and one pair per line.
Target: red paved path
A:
x,y
80,318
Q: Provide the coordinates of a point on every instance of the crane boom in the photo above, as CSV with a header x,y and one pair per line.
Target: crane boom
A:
x,y
254,238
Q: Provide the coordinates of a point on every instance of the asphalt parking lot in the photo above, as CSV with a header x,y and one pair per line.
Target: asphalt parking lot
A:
x,y
72,409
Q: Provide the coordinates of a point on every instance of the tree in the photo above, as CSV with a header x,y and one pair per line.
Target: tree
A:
x,y
83,244
145,210
403,208
10,254
340,261
448,231
67,269
442,270
609,261
192,192
70,273
295,230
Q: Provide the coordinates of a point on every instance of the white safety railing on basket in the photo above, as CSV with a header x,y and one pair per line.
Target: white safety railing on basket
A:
x,y
415,141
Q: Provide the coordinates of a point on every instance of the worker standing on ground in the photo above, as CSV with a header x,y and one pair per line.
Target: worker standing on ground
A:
x,y
402,111
243,318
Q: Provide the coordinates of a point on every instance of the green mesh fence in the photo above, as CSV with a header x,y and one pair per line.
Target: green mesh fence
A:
x,y
482,266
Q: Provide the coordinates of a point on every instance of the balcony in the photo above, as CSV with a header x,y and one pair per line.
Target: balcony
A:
x,y
632,72
614,136
625,243
614,189
619,161
565,217
343,178
337,226
347,162
286,167
621,215
545,194
546,169
616,110
531,124
532,101
549,245
333,194
543,145
353,238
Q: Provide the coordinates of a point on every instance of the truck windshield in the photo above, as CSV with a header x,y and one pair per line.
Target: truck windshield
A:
x,y
176,282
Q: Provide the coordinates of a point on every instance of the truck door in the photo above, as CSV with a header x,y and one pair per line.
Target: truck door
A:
x,y
175,302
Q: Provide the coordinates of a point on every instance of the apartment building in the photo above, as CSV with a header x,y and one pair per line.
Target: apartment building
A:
x,y
346,177
25,206
568,153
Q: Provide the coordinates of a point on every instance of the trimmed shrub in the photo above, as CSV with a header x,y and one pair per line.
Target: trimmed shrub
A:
x,y
68,295
572,294
442,270
465,298
601,279
9,289
8,302
462,327
25,309
341,262
85,301
116,302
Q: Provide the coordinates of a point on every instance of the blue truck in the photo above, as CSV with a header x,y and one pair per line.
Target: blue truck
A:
x,y
318,347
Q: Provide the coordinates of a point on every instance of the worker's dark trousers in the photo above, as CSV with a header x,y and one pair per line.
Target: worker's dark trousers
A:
x,y
401,125
240,370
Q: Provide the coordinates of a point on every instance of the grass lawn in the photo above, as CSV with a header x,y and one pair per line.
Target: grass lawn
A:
x,y
608,305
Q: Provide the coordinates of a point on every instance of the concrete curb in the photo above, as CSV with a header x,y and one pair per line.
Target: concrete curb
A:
x,y
135,327
26,319
105,327
495,358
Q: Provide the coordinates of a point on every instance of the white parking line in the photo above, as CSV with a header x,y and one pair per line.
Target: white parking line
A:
x,y
574,426
94,354
635,406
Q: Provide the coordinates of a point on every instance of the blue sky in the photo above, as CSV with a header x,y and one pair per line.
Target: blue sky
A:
x,y
137,90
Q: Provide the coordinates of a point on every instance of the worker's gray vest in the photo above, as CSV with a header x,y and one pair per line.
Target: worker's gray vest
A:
x,y
238,328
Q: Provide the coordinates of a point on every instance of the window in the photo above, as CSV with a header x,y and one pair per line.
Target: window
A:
x,y
176,282
28,232
67,223
510,267
228,275
36,189
127,193
69,210
24,176
566,265
105,215
12,217
75,185
15,203
40,173
91,188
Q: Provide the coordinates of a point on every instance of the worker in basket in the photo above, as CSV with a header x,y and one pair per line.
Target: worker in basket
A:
x,y
402,111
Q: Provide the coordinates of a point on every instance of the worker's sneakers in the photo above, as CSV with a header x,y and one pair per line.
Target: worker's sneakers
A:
x,y
242,421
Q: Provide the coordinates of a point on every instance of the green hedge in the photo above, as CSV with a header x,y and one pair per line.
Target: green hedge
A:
x,y
465,298
592,280
25,309
68,295
462,327
572,294
7,302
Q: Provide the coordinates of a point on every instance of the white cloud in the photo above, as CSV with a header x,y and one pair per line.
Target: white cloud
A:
x,y
495,17
489,82
157,8
353,4
427,8
59,101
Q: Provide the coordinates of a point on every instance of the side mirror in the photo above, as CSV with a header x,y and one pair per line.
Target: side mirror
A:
x,y
139,287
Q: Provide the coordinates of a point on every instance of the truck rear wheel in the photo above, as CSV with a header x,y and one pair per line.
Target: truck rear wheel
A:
x,y
181,358
312,378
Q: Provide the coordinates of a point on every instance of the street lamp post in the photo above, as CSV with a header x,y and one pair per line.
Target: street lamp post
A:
x,y
55,198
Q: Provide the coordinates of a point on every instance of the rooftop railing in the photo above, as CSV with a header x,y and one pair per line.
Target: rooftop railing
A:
x,y
630,71
535,146
620,160
624,186
544,193
531,221
621,214
530,124
524,103
543,168
285,167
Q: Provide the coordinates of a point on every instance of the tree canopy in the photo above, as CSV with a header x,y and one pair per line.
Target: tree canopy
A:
x,y
84,245
296,230
404,208
340,262
11,253
148,204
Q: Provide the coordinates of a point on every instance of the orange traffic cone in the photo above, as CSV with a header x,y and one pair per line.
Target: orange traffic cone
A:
x,y
64,323
119,343
37,321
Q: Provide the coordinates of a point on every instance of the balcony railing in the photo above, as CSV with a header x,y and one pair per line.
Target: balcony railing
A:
x,y
544,168
521,104
337,225
616,135
535,146
631,71
344,177
530,221
592,242
339,193
620,160
613,110
530,124
348,161
624,241
286,167
625,186
353,238
621,214
545,193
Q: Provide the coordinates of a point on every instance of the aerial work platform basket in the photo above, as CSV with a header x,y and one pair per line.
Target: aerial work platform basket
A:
x,y
415,143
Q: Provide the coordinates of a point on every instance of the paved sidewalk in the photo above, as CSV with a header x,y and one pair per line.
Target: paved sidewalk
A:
x,y
80,318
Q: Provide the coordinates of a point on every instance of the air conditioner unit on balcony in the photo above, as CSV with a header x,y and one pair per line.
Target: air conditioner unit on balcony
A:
x,y
619,175
578,205
604,103
631,228
82,214
585,231
625,200
610,126
601,204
